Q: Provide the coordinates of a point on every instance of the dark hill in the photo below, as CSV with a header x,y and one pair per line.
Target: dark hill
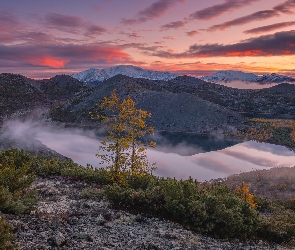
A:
x,y
22,95
172,111
61,87
17,93
282,87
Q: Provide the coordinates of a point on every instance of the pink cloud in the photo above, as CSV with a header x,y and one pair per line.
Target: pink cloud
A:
x,y
60,21
51,62
220,9
173,25
155,10
278,44
268,28
192,33
286,7
72,24
169,37
8,21
59,56
257,16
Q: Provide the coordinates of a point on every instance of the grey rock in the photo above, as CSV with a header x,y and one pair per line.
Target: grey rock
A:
x,y
59,239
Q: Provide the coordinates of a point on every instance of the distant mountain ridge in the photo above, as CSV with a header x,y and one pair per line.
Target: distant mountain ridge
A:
x,y
183,104
94,76
235,75
99,75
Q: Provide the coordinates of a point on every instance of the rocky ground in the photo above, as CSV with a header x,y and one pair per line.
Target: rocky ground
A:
x,y
70,215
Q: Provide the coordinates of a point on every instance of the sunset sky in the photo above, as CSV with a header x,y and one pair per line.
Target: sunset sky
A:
x,y
40,39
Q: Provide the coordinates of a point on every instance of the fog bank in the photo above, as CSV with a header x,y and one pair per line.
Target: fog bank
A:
x,y
179,158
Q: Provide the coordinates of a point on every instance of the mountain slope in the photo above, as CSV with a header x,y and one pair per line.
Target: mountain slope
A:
x,y
98,75
17,93
24,96
171,111
61,87
275,78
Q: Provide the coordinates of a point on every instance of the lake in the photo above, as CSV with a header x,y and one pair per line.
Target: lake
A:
x,y
178,155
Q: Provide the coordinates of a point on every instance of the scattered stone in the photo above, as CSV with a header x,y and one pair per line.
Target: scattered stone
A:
x,y
65,223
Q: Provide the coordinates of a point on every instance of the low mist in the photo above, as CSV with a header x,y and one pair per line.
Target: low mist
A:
x,y
246,85
178,156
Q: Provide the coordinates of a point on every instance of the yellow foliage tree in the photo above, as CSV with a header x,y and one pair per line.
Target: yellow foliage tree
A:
x,y
244,193
125,124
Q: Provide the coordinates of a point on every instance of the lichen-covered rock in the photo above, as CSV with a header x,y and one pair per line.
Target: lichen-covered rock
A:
x,y
63,220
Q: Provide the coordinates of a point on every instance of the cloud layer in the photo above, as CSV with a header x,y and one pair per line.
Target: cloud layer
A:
x,y
220,9
278,44
285,8
268,28
58,56
153,11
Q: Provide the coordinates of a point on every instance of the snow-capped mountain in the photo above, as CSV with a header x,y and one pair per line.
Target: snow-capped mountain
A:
x,y
99,75
275,78
230,75
233,75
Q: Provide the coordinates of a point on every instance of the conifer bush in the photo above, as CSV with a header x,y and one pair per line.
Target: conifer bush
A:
x,y
16,178
206,208
6,235
278,226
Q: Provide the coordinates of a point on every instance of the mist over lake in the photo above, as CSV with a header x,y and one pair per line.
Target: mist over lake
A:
x,y
176,155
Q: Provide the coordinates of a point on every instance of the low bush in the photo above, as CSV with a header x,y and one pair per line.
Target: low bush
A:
x,y
16,178
278,225
16,196
91,193
67,168
6,235
206,208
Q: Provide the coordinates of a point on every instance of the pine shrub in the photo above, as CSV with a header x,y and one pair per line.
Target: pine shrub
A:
x,y
206,208
6,235
16,178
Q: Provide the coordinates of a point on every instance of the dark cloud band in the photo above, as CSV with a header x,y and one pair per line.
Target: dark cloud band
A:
x,y
278,44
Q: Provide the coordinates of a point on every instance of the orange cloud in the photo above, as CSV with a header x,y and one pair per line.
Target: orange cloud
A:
x,y
51,62
247,53
111,54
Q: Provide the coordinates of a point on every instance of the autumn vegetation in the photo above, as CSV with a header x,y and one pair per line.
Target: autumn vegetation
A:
x,y
123,151
276,131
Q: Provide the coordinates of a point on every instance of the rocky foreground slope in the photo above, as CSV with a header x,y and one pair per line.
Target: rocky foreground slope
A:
x,y
71,215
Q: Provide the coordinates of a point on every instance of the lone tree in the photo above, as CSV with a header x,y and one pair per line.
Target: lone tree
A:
x,y
125,124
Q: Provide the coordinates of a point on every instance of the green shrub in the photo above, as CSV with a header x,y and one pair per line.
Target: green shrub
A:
x,y
67,168
91,193
212,209
6,235
15,157
278,226
16,178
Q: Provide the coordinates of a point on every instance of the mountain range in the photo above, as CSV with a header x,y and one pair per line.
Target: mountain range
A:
x,y
94,76
182,104
234,75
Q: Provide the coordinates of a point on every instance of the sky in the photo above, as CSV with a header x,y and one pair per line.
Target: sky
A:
x,y
40,39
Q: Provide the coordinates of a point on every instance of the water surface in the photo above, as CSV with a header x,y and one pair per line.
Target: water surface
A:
x,y
202,158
